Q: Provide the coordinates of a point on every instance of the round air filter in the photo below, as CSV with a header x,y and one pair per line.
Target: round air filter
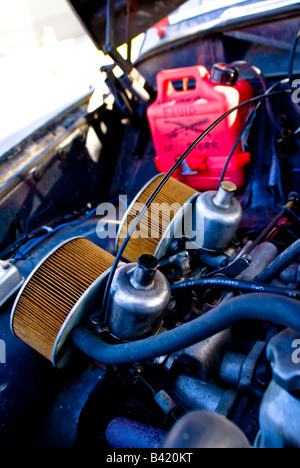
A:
x,y
162,221
62,289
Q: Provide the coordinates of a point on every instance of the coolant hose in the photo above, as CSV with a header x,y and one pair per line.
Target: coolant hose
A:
x,y
279,264
270,308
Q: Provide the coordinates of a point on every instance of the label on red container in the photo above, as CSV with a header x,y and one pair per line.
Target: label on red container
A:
x,y
179,111
178,135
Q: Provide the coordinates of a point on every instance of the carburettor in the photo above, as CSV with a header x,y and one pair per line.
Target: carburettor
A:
x,y
139,296
217,215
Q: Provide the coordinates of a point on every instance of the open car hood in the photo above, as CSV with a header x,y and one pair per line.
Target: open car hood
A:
x,y
146,13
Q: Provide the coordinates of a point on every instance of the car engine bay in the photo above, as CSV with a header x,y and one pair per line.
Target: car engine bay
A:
x,y
148,301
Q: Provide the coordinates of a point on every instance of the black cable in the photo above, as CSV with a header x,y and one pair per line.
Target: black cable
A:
x,y
258,73
235,285
245,129
278,170
264,307
24,238
104,309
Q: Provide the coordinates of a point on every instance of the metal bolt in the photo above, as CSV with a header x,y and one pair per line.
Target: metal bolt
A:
x,y
225,194
145,270
37,175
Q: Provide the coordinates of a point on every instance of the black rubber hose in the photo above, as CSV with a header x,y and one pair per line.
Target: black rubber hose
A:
x,y
235,285
269,308
279,264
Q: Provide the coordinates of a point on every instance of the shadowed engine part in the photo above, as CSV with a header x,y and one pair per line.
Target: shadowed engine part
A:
x,y
280,408
200,429
125,433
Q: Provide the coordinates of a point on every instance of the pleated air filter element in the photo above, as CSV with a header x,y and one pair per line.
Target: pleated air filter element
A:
x,y
162,222
62,289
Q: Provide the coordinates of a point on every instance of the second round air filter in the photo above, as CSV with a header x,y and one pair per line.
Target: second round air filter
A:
x,y
159,225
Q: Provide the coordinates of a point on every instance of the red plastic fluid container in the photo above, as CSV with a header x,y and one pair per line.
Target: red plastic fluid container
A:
x,y
179,116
